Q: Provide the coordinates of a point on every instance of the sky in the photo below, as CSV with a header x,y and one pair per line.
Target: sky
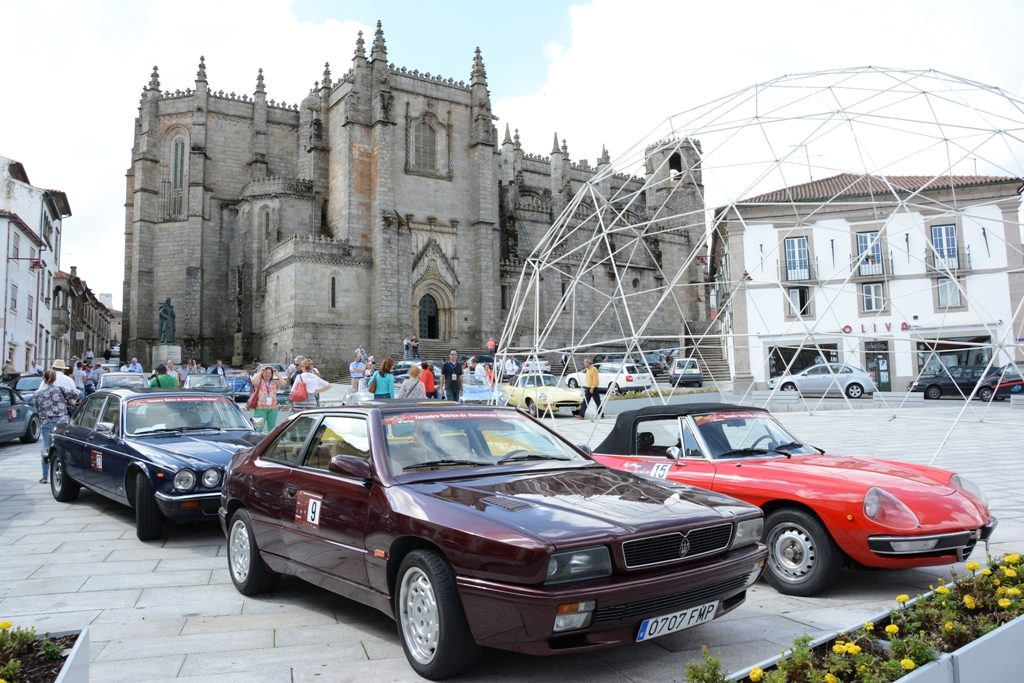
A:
x,y
598,73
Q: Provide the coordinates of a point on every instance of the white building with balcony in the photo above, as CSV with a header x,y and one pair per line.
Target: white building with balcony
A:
x,y
897,275
30,225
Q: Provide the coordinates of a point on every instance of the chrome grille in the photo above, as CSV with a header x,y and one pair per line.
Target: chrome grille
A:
x,y
669,603
676,547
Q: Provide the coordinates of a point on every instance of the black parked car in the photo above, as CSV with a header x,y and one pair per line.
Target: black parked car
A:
x,y
958,381
160,452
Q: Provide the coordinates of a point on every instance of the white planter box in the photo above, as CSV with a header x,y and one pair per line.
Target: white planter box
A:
x,y
76,665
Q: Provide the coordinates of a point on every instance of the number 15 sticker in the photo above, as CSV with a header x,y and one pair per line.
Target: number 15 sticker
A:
x,y
308,508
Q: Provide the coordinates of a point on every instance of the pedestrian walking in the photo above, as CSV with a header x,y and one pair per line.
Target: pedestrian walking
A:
x,y
266,384
174,372
492,346
79,375
62,379
135,366
452,372
382,383
356,370
427,379
293,369
96,375
511,367
161,379
414,343
36,368
217,369
405,347
412,387
314,385
590,384
52,406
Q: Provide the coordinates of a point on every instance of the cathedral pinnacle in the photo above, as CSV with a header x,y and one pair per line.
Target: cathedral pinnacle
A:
x,y
259,82
515,139
360,46
565,148
154,79
508,137
554,148
605,159
201,74
479,75
380,51
327,74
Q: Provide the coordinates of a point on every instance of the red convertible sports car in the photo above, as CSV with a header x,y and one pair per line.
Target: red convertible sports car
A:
x,y
821,511
479,526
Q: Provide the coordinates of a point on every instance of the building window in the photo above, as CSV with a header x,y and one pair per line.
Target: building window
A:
x,y
31,305
334,293
949,293
869,253
178,178
798,263
675,165
798,301
14,298
15,245
504,297
873,296
424,146
266,224
944,243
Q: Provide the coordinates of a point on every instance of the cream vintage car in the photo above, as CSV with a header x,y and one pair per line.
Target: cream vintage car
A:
x,y
539,394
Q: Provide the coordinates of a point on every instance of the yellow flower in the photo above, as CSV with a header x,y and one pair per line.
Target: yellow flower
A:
x,y
852,648
839,648
1012,558
1005,602
902,598
869,626
892,629
941,590
1009,573
829,678
4,625
940,580
1013,592
969,602
986,571
908,664
948,625
972,566
996,582
756,675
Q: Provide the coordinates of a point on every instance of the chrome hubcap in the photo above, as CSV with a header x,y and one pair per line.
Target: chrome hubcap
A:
x,y
792,553
58,473
239,551
418,615
855,392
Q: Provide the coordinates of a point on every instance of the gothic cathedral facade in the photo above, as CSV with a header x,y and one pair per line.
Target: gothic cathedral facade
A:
x,y
382,205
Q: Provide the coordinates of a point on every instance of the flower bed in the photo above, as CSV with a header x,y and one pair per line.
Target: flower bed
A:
x,y
28,658
903,643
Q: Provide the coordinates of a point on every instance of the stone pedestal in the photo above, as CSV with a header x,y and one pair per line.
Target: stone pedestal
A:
x,y
165,352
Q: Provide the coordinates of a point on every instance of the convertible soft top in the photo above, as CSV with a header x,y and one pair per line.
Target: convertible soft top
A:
x,y
619,441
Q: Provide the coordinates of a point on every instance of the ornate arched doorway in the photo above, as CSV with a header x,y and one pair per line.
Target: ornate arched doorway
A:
x,y
429,327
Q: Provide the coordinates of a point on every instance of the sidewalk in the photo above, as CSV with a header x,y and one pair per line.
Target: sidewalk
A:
x,y
166,610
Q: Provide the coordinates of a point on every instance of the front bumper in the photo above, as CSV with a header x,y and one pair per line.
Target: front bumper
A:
x,y
520,618
188,507
959,543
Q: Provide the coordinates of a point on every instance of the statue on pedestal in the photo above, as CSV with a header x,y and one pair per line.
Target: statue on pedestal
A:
x,y
166,317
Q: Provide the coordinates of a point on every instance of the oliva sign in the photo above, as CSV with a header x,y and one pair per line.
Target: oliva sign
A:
x,y
848,329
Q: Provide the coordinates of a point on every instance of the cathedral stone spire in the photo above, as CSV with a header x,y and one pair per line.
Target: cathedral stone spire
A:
x,y
154,80
508,137
515,139
380,50
479,75
259,82
360,46
605,158
565,148
201,73
327,75
555,149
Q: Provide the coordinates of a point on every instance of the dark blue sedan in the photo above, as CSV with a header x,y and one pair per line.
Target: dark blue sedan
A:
x,y
160,452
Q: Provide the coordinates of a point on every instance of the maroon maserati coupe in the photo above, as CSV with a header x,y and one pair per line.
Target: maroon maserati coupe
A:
x,y
480,527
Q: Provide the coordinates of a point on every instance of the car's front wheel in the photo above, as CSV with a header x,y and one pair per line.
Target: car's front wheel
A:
x,y
531,407
31,434
249,572
148,520
802,557
62,486
986,394
613,389
854,390
431,622
933,393
788,386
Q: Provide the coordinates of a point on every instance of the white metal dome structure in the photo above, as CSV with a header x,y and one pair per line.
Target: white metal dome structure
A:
x,y
895,193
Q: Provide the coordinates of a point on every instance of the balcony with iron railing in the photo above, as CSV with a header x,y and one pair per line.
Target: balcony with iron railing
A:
x,y
941,262
798,270
871,265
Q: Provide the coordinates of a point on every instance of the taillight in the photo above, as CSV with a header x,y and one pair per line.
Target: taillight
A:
x,y
629,378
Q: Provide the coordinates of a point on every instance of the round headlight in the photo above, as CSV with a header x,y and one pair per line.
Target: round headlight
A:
x,y
184,480
542,396
211,477
970,487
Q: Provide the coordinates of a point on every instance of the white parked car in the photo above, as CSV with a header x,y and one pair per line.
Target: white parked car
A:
x,y
827,378
614,377
686,371
534,364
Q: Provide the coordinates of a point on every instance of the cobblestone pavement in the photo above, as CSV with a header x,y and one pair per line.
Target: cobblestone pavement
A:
x,y
167,610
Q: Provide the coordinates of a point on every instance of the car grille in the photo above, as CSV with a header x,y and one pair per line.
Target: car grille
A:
x,y
675,547
669,603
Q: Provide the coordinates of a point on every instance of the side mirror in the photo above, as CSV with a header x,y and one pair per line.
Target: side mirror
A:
x,y
585,448
350,466
257,423
105,427
673,453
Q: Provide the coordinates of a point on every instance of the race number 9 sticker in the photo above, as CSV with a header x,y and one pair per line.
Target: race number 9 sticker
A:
x,y
308,508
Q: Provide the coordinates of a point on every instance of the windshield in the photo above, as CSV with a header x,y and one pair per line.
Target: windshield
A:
x,y
182,413
744,433
28,383
125,380
420,441
193,381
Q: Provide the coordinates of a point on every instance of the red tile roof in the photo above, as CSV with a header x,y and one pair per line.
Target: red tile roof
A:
x,y
861,185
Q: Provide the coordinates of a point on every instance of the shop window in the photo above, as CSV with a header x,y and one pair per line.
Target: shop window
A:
x,y
873,296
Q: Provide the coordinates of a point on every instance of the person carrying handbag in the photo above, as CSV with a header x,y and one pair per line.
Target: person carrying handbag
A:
x,y
263,400
382,383
51,402
307,387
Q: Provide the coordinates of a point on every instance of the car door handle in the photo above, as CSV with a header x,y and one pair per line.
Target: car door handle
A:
x,y
290,491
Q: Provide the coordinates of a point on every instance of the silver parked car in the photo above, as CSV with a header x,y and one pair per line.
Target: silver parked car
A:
x,y
827,378
123,380
686,371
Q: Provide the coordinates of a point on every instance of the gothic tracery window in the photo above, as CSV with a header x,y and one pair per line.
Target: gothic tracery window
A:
x,y
177,177
424,146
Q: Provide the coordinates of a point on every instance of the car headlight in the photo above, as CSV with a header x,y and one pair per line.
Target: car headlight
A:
x,y
888,510
578,565
965,484
503,397
211,477
184,480
542,396
748,532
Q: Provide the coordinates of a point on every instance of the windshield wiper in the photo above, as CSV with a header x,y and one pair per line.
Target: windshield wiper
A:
x,y
157,430
443,463
754,451
531,456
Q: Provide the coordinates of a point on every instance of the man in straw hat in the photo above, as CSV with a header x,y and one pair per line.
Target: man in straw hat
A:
x,y
62,380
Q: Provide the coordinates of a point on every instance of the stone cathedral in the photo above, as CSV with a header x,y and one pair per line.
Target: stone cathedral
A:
x,y
384,204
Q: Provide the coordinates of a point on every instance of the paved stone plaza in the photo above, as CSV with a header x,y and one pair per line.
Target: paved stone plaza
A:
x,y
167,610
